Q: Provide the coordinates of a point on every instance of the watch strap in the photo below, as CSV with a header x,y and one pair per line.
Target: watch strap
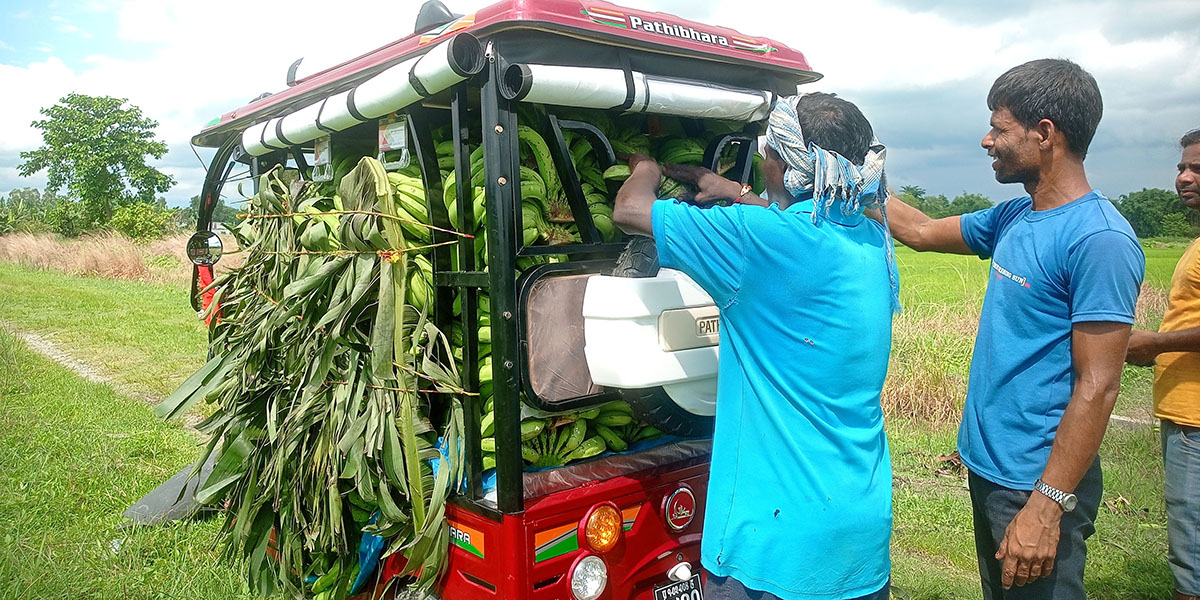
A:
x,y
1053,493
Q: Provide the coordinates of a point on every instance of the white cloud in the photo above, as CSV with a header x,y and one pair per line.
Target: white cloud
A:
x,y
40,84
5,46
68,28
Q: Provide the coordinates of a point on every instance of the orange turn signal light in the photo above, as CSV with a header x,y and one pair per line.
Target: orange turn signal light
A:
x,y
603,528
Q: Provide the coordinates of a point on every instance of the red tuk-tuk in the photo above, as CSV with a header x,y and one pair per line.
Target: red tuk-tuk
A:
x,y
622,525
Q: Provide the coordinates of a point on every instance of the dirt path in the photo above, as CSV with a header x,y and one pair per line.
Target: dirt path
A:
x,y
46,347
1132,422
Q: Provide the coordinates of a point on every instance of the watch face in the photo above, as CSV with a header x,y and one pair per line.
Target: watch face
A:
x,y
1069,502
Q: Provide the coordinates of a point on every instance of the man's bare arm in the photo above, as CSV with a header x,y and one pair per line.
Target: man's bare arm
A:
x,y
635,199
1145,346
1031,540
917,231
710,186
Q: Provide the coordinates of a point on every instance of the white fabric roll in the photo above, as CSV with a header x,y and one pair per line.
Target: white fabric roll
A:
x,y
434,71
252,140
701,101
388,91
591,87
270,134
583,87
336,115
301,126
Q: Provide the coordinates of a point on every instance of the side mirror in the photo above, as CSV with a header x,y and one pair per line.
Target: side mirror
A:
x,y
204,248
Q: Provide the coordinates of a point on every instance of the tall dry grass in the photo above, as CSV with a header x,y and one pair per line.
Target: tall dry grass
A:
x,y
1151,304
108,254
931,355
930,360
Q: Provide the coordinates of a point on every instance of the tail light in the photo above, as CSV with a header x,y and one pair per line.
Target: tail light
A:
x,y
601,528
589,577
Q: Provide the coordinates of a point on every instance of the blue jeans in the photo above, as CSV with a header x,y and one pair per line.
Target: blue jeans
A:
x,y
1181,460
728,588
994,506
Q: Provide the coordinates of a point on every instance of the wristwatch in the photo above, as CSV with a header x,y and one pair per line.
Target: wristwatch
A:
x,y
745,190
1066,500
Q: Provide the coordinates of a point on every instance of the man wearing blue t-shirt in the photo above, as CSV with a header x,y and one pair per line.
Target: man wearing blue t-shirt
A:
x,y
1065,274
800,486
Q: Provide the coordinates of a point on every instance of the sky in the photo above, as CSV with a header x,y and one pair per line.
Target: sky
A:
x,y
919,69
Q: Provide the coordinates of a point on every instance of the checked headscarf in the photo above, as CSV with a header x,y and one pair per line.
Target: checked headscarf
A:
x,y
829,177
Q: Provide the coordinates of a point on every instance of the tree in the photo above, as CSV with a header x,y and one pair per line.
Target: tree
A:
x,y
222,213
965,203
66,218
1148,209
25,209
915,192
936,206
96,147
916,197
1175,225
143,221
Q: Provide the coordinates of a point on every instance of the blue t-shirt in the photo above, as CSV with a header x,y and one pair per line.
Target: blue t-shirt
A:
x,y
1051,269
800,487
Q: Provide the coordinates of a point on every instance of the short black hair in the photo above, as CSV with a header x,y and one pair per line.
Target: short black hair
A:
x,y
1055,89
835,125
1189,138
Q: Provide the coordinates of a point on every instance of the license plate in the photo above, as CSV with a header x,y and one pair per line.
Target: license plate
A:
x,y
680,590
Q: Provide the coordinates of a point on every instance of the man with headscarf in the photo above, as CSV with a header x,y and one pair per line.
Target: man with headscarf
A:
x,y
799,496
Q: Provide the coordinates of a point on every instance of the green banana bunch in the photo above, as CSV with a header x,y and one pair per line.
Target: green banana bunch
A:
x,y
532,221
618,172
614,414
449,196
586,164
558,210
411,207
629,141
681,151
560,445
420,284
530,428
614,440
616,424
636,432
319,231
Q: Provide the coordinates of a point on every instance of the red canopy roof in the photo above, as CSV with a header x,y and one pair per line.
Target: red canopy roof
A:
x,y
603,22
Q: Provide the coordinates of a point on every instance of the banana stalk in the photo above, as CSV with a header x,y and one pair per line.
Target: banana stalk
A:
x,y
313,435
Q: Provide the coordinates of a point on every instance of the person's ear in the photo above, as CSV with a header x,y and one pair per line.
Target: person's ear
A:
x,y
1046,132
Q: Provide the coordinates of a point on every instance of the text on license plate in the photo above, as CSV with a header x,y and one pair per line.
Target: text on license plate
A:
x,y
680,590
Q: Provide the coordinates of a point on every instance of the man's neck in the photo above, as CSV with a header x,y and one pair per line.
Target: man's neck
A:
x,y
1058,183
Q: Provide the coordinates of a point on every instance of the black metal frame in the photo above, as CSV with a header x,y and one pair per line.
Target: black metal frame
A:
x,y
466,280
747,145
501,178
222,163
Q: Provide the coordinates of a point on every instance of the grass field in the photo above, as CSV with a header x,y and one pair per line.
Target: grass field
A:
x,y
73,455
141,335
